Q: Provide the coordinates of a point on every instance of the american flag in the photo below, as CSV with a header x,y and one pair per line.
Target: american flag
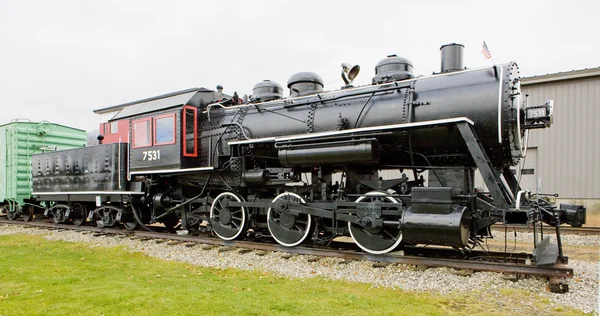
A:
x,y
485,51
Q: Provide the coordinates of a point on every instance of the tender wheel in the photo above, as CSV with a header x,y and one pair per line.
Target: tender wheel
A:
x,y
28,212
59,213
376,240
78,214
228,222
129,219
12,213
286,228
106,216
130,224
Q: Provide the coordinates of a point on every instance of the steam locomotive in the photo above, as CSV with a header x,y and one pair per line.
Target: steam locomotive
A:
x,y
306,167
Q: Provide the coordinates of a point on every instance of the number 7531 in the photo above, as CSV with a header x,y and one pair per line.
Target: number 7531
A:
x,y
151,155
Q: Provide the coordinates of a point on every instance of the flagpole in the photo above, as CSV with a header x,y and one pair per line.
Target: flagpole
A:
x,y
487,54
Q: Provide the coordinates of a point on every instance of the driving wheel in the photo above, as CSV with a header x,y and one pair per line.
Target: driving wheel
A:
x,y
287,228
227,221
377,240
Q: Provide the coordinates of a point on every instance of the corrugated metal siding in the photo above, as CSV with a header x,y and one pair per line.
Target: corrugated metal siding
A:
x,y
20,140
569,151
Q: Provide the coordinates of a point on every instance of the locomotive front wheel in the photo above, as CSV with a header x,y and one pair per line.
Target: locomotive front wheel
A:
x,y
288,229
376,241
228,222
78,214
28,213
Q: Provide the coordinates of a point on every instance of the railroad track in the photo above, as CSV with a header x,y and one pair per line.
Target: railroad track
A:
x,y
514,264
589,230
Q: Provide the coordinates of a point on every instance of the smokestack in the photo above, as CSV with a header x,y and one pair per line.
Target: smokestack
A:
x,y
452,57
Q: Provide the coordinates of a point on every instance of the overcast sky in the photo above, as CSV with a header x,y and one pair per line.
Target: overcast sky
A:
x,y
59,60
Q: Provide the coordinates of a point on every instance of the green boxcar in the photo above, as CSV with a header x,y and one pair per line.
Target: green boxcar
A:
x,y
18,141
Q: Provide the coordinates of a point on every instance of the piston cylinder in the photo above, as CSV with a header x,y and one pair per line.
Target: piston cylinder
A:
x,y
437,229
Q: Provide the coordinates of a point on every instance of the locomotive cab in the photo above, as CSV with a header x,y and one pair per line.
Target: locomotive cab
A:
x,y
162,131
165,141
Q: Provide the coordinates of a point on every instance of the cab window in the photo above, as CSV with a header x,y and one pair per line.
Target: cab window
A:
x,y
114,127
141,133
164,129
190,132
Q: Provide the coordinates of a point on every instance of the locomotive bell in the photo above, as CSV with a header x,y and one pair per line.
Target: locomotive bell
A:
x,y
305,83
349,72
393,68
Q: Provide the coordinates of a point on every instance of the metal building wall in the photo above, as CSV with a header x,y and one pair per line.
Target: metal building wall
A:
x,y
569,151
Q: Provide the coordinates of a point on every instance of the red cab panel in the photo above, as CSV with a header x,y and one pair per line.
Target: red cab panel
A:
x,y
115,131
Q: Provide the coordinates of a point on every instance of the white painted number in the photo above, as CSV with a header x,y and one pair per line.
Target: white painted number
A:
x,y
151,155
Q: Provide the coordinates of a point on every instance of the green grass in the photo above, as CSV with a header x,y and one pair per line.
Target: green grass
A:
x,y
39,277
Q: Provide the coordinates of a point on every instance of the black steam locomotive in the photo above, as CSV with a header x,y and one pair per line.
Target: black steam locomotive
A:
x,y
306,167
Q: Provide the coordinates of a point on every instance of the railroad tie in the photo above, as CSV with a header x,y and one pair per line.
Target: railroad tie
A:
x,y
420,267
380,265
226,249
463,272
175,242
558,285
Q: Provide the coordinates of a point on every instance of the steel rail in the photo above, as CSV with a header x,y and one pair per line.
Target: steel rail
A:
x,y
589,230
555,271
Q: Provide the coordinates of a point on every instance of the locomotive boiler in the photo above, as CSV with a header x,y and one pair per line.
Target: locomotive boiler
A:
x,y
305,167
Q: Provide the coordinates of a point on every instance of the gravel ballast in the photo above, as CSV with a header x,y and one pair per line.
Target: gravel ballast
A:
x,y
582,295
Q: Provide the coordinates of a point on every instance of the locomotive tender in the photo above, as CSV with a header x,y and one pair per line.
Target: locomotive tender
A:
x,y
266,168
